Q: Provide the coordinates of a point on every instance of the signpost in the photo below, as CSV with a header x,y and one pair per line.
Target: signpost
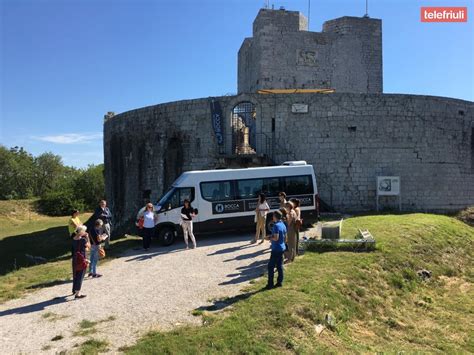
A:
x,y
389,186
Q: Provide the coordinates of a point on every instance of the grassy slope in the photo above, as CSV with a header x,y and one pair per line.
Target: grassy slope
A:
x,y
377,299
24,231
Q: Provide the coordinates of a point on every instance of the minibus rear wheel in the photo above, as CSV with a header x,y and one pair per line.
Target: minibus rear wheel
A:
x,y
166,235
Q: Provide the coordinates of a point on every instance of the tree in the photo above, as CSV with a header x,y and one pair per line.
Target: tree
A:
x,y
49,173
17,173
60,188
90,186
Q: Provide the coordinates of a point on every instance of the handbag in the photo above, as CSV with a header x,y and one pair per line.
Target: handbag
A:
x,y
141,222
80,262
101,252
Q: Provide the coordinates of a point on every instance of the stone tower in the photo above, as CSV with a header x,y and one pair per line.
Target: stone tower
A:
x,y
346,56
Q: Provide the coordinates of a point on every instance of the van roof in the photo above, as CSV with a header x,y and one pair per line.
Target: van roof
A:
x,y
224,174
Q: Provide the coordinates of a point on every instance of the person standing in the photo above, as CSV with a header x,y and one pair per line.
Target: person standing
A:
x,y
187,214
291,223
80,243
150,218
74,222
261,218
103,213
96,237
299,221
282,198
277,239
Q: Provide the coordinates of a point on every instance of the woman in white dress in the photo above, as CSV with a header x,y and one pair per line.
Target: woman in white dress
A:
x,y
261,218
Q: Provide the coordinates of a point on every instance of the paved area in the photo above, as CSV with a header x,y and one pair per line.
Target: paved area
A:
x,y
139,291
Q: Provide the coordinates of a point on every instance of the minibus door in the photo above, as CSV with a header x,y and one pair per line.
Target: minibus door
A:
x,y
171,209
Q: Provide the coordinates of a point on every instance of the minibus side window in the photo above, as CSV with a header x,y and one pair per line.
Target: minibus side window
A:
x,y
298,185
177,198
217,191
271,187
249,188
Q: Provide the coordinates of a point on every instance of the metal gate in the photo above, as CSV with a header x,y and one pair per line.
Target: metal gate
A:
x,y
244,117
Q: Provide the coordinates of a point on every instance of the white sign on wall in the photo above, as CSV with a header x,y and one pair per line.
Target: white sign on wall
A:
x,y
388,185
299,108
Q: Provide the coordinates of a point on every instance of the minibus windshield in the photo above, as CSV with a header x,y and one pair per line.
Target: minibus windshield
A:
x,y
166,197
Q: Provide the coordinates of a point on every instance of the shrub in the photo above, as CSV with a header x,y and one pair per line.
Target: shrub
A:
x,y
59,203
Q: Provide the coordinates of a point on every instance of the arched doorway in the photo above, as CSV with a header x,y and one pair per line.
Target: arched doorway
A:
x,y
173,162
243,125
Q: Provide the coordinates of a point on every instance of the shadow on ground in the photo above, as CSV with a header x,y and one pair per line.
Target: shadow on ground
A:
x,y
247,272
50,244
35,307
220,304
137,253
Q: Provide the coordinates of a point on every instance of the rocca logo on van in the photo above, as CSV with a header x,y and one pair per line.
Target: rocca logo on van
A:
x,y
219,208
228,207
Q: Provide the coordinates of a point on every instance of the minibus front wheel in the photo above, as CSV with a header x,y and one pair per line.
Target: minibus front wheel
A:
x,y
166,235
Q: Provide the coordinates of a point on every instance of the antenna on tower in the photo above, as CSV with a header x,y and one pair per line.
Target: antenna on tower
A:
x,y
309,12
366,9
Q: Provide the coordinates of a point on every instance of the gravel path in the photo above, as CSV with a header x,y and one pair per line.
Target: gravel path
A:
x,y
139,291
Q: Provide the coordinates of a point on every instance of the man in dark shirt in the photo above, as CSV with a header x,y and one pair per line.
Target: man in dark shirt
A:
x,y
277,239
103,213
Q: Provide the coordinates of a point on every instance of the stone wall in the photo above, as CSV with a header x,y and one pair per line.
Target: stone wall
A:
x,y
147,148
282,54
349,138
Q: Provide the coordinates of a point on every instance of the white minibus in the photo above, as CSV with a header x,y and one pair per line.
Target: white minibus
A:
x,y
226,199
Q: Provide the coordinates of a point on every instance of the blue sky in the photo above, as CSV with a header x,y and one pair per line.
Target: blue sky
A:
x,y
65,63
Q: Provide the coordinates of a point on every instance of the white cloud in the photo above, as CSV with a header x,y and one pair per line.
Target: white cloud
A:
x,y
70,138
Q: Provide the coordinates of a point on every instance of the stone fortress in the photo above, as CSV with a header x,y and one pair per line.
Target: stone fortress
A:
x,y
314,96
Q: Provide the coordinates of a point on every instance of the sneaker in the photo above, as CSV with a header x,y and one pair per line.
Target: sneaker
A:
x,y
79,296
97,275
90,274
278,285
253,242
268,287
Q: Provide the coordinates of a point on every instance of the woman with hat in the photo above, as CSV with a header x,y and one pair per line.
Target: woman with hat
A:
x,y
80,243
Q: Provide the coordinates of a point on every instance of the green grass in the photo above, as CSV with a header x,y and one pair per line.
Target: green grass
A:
x,y
376,298
92,347
23,231
52,317
87,327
